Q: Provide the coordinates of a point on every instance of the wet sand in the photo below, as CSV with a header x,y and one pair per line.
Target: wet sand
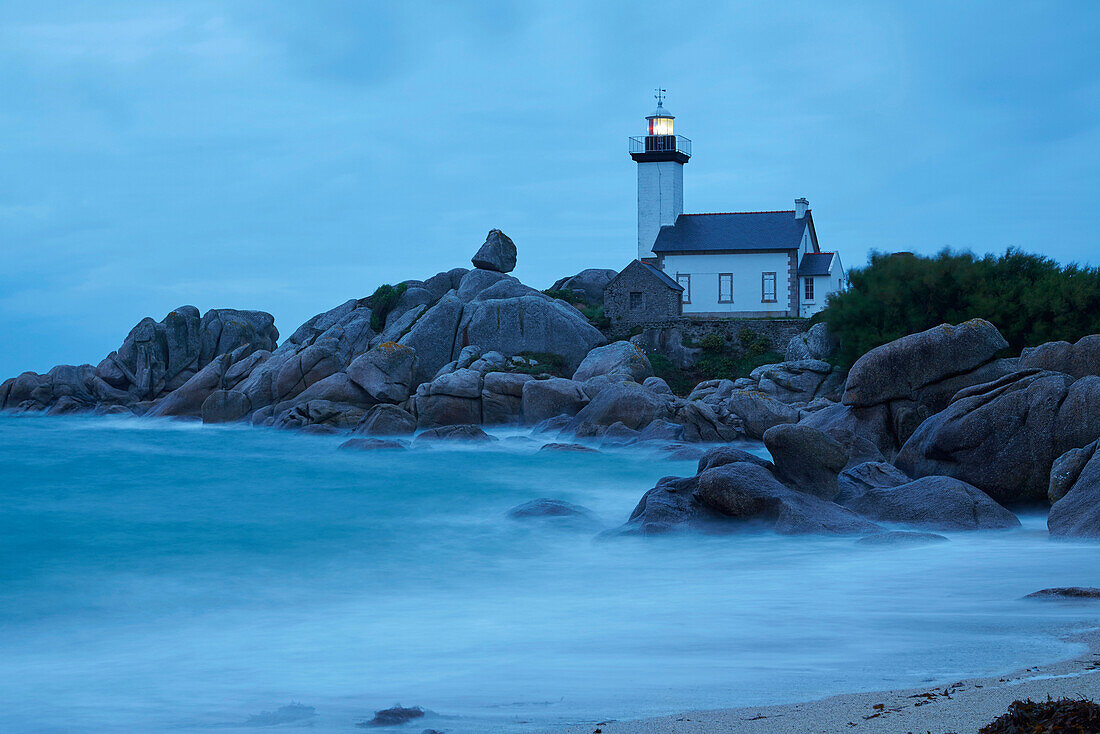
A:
x,y
962,707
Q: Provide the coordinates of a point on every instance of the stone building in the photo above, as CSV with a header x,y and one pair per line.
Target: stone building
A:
x,y
641,294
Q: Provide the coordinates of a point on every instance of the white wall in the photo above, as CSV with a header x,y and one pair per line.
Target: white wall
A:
x,y
660,200
806,245
746,267
835,281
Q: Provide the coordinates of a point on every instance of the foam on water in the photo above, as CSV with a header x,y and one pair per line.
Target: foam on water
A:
x,y
159,575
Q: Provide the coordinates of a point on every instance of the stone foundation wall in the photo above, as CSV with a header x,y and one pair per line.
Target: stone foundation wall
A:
x,y
778,331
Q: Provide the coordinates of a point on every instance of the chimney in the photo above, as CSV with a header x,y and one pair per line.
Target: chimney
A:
x,y
800,205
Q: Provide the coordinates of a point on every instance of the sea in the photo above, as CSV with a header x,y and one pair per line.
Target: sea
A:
x,y
166,576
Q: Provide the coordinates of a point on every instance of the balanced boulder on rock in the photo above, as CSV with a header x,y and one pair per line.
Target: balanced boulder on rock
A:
x,y
498,253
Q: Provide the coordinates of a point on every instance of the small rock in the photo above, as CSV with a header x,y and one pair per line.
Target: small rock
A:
x,y
545,507
901,537
373,444
394,716
295,712
682,452
455,433
1067,592
567,447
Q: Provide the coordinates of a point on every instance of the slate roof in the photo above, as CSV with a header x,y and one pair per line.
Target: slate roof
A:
x,y
732,231
662,276
815,263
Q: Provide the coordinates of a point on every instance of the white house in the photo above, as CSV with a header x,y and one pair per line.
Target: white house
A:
x,y
733,264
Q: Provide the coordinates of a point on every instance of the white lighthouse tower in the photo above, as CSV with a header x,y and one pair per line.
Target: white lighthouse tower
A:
x,y
661,156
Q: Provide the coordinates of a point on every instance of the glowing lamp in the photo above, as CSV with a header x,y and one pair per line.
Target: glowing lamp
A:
x,y
660,122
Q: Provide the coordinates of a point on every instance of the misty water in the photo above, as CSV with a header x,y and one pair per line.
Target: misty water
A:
x,y
165,576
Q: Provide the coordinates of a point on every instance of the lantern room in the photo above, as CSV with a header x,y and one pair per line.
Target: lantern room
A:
x,y
660,122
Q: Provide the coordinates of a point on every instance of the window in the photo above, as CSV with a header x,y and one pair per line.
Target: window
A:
x,y
725,287
809,288
767,287
636,300
685,282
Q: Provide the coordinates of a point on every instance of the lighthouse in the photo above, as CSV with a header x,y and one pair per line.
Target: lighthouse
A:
x,y
660,155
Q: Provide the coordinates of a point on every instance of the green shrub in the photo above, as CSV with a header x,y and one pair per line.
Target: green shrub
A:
x,y
680,381
713,365
594,313
1030,298
568,296
545,363
382,301
752,343
712,343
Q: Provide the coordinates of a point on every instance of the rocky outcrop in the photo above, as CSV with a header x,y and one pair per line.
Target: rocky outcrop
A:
x,y
1075,593
1077,360
857,480
158,357
546,399
868,429
816,343
898,369
1077,512
323,346
657,385
467,433
64,389
627,403
1003,437
451,399
588,284
700,422
374,444
531,323
894,538
620,358
386,372
1066,470
386,420
933,503
494,312
498,253
554,513
225,406
319,412
432,336
799,382
747,491
155,359
807,459
224,372
502,397
187,365
756,411
739,494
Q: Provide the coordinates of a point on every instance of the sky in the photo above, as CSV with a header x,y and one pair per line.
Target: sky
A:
x,y
287,156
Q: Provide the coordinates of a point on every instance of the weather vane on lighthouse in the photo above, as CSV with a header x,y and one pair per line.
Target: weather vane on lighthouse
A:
x,y
660,96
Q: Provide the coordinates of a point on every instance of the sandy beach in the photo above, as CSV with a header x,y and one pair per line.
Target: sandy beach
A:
x,y
961,707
